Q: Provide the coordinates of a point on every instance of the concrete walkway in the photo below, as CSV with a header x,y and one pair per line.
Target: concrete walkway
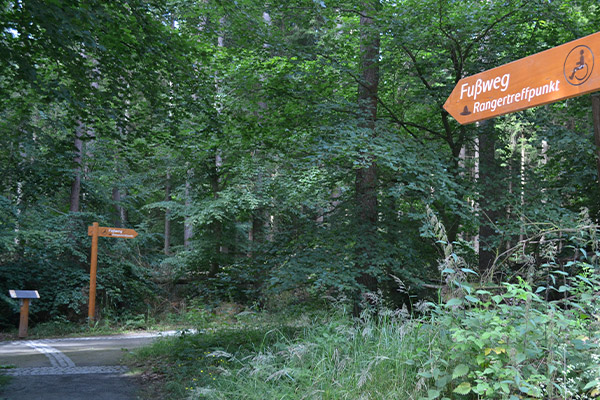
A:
x,y
71,369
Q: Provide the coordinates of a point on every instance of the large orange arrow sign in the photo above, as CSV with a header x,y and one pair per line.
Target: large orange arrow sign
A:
x,y
559,73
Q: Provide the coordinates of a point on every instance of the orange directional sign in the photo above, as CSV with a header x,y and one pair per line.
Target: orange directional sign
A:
x,y
95,231
559,73
104,231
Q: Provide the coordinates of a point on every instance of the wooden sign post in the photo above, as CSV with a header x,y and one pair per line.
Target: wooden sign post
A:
x,y
95,231
556,74
24,296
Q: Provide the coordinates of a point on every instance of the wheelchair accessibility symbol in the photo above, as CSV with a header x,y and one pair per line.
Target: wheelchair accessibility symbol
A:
x,y
579,65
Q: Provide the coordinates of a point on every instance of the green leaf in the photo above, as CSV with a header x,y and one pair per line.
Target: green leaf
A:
x,y
469,271
586,280
540,289
460,370
524,389
433,394
454,302
481,388
563,288
472,299
463,388
594,383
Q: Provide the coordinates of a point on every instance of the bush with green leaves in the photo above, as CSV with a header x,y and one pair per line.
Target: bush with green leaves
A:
x,y
515,344
521,339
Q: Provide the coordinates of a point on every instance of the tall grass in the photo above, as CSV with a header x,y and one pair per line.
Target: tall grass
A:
x,y
337,359
333,357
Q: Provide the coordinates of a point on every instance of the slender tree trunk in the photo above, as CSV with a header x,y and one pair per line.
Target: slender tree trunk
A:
x,y
215,178
256,233
489,188
596,117
511,191
522,183
188,230
120,218
75,197
476,209
167,247
216,226
366,176
259,224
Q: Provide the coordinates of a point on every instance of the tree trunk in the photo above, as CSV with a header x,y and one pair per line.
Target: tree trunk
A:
x,y
259,218
167,247
216,226
489,184
366,176
522,188
215,178
596,117
187,226
120,219
76,185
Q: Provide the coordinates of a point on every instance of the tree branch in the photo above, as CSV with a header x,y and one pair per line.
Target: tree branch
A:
x,y
488,29
419,72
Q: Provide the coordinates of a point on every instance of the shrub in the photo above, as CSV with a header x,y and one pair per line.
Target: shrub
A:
x,y
507,342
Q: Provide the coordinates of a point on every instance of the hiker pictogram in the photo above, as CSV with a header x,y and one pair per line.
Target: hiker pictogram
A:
x,y
578,65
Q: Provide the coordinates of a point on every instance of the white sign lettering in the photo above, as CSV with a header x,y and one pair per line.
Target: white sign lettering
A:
x,y
481,86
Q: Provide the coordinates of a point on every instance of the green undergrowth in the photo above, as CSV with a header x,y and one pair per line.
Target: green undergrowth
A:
x,y
511,344
515,345
268,357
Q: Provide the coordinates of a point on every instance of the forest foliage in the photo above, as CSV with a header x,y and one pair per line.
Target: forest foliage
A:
x,y
268,147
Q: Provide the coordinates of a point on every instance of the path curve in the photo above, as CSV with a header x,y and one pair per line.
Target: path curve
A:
x,y
72,368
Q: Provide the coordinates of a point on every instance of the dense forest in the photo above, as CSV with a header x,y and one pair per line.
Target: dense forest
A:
x,y
282,147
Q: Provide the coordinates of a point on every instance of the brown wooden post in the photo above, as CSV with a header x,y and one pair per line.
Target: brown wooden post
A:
x,y
24,296
93,268
24,321
95,231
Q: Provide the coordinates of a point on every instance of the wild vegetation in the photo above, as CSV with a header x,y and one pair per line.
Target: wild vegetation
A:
x,y
299,150
508,342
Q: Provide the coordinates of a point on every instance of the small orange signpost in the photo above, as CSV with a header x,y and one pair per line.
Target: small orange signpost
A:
x,y
556,74
95,231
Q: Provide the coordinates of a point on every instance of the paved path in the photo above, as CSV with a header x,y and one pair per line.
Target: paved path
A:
x,y
71,369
